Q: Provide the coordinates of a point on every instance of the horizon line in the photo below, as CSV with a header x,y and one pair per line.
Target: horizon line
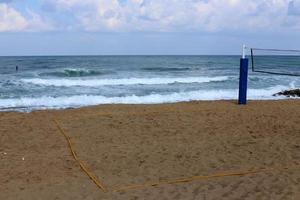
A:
x,y
73,55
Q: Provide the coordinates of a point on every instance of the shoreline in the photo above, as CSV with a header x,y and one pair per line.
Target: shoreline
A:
x,y
32,108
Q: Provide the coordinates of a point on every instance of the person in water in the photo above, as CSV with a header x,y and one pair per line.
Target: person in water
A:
x,y
17,68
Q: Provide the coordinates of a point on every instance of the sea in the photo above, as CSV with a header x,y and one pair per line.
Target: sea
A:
x,y
60,82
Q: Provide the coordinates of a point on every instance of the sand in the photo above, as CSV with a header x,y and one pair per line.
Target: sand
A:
x,y
135,144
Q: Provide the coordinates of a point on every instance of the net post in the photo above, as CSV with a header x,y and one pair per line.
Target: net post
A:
x,y
243,78
244,52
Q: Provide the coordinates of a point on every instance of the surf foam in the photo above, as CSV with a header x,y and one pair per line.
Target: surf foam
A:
x,y
87,100
124,81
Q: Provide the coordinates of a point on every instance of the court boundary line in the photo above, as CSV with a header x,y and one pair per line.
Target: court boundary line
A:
x,y
81,164
165,182
198,178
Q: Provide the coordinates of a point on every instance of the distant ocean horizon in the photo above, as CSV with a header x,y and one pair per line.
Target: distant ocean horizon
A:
x,y
57,82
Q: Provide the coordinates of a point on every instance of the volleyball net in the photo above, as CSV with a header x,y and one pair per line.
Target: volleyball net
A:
x,y
275,61
267,61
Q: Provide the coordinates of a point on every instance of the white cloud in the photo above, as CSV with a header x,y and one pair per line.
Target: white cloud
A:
x,y
93,15
241,15
179,15
160,15
37,23
12,21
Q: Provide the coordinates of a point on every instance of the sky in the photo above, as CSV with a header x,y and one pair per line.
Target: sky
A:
x,y
147,27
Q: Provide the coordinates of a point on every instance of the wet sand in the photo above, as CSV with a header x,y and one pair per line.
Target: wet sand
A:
x,y
135,144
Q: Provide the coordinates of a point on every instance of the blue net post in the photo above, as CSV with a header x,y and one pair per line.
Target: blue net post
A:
x,y
243,81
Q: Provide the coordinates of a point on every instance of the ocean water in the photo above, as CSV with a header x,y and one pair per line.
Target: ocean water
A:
x,y
73,81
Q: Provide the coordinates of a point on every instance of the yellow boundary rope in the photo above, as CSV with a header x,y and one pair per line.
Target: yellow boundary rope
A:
x,y
194,178
82,166
164,182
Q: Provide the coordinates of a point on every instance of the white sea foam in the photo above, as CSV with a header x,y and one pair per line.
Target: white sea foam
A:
x,y
86,100
123,81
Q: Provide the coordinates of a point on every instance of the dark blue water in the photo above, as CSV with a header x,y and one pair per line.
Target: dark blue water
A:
x,y
74,81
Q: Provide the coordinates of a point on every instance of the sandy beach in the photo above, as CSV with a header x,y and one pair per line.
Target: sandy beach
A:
x,y
123,145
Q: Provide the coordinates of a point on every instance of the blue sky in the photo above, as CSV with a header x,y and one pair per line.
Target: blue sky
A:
x,y
99,27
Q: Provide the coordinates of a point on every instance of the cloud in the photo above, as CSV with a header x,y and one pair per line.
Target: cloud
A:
x,y
294,8
177,15
92,15
165,15
10,19
13,21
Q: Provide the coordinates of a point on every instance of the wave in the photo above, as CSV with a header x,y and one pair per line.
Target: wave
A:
x,y
123,81
87,100
73,73
166,69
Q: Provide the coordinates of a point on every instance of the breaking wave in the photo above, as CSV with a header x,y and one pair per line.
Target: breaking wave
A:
x,y
72,73
123,81
87,100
